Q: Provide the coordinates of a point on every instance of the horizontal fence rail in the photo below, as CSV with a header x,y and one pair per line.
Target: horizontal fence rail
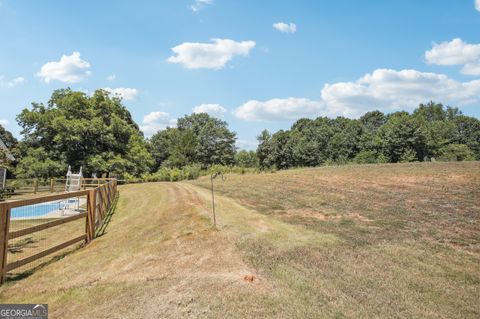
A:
x,y
35,185
31,229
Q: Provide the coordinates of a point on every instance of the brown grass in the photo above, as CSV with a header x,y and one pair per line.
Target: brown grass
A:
x,y
359,242
158,258
407,238
438,202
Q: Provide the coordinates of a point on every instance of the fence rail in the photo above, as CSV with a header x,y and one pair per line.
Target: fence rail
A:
x,y
35,185
22,219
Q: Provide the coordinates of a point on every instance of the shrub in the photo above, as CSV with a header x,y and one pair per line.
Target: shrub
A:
x,y
176,175
456,152
408,156
192,171
366,157
5,193
163,174
382,159
129,178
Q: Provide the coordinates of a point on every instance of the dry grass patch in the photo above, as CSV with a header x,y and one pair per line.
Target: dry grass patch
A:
x,y
158,258
375,241
406,243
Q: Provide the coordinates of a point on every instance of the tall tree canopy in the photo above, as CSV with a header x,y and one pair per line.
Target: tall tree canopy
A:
x,y
198,138
96,132
431,131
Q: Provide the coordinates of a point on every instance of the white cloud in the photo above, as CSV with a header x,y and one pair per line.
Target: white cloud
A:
x,y
384,89
10,83
127,94
285,27
278,109
212,109
477,5
199,4
216,55
456,52
392,90
156,121
111,77
70,69
4,123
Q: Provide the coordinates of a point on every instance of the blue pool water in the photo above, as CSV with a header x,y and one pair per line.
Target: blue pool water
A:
x,y
38,209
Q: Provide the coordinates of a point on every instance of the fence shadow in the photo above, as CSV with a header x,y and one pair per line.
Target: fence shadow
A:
x,y
27,273
108,217
100,232
101,202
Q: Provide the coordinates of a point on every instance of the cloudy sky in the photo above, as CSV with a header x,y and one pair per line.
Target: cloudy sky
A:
x,y
256,64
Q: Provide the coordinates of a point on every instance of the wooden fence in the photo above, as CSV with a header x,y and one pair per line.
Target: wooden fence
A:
x,y
99,201
35,185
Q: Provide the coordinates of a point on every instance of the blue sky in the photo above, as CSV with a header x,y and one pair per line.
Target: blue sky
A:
x,y
256,64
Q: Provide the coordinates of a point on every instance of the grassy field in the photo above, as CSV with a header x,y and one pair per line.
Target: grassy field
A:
x,y
347,242
405,239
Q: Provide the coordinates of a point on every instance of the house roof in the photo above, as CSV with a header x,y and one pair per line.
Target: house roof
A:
x,y
5,148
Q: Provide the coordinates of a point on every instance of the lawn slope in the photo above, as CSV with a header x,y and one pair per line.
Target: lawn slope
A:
x,y
159,257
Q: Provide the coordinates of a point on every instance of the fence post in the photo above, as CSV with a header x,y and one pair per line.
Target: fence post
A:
x,y
91,207
52,184
35,185
4,229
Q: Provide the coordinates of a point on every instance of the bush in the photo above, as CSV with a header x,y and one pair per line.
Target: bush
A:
x,y
167,174
382,159
456,152
408,156
366,157
129,178
192,171
5,193
246,159
176,175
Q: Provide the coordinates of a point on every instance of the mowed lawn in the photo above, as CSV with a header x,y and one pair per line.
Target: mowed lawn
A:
x,y
397,240
407,238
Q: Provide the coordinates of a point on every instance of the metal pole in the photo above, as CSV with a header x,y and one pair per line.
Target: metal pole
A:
x,y
213,203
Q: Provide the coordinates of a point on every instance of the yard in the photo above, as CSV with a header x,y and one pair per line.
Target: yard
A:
x,y
394,240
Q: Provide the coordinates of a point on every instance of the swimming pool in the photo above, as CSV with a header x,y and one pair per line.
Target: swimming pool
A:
x,y
39,210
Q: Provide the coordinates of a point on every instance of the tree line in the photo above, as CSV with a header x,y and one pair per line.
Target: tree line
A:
x,y
98,133
431,132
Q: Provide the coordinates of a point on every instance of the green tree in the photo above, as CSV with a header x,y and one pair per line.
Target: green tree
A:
x,y
161,145
198,138
96,132
245,158
37,163
182,149
401,137
431,112
345,143
456,152
372,121
467,131
263,148
278,151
